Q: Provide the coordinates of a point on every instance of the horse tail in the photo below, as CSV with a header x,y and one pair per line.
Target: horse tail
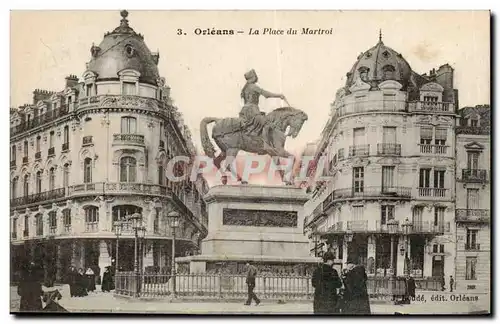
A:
x,y
205,139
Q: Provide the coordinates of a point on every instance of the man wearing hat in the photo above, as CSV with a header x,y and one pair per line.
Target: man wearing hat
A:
x,y
356,299
326,281
250,113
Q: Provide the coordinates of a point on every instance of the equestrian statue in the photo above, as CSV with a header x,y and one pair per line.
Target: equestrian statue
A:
x,y
253,131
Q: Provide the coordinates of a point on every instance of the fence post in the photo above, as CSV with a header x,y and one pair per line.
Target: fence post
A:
x,y
220,285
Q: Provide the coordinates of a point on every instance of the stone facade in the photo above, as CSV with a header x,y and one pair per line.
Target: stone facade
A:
x,y
387,200
94,153
473,217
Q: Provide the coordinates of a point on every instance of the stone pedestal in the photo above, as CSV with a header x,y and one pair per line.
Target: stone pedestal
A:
x,y
262,224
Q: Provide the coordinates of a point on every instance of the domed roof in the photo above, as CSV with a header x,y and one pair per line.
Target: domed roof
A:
x,y
123,49
378,64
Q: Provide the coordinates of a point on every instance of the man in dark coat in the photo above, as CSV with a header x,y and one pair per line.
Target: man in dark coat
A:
x,y
107,281
251,275
71,281
30,289
326,281
356,299
410,289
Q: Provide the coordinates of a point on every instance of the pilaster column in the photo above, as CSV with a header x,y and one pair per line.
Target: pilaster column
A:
x,y
104,257
371,255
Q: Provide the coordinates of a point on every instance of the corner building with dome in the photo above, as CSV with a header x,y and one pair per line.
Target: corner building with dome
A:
x,y
389,146
84,158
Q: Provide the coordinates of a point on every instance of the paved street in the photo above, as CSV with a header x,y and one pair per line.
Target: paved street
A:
x,y
106,302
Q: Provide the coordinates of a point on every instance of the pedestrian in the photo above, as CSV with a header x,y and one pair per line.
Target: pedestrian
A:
x,y
90,276
326,281
356,299
410,289
81,284
452,283
107,280
30,289
71,281
443,283
251,274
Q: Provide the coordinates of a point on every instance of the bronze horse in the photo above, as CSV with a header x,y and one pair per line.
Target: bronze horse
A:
x,y
229,135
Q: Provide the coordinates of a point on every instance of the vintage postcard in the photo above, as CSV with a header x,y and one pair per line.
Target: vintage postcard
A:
x,y
250,162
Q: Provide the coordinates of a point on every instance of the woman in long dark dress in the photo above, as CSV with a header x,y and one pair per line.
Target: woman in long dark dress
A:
x,y
107,281
30,289
356,300
81,284
90,277
326,281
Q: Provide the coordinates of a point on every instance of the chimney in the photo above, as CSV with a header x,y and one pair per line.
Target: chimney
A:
x,y
40,94
71,81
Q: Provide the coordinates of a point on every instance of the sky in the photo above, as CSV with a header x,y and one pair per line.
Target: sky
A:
x,y
205,73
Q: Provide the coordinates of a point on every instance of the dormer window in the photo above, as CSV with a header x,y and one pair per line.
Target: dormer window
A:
x,y
363,73
388,72
88,90
129,50
474,122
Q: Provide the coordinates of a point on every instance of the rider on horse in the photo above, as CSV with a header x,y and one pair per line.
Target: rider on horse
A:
x,y
253,119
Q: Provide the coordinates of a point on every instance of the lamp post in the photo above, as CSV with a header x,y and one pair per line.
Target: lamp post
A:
x,y
407,228
173,217
348,237
392,227
118,229
136,220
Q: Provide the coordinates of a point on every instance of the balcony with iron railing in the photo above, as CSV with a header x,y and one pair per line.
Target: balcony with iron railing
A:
x,y
25,160
38,155
472,246
42,119
67,229
53,230
359,150
365,192
38,197
13,235
475,175
91,227
65,147
87,141
51,151
430,227
433,192
433,149
13,163
128,139
472,215
389,149
26,233
432,107
378,226
117,188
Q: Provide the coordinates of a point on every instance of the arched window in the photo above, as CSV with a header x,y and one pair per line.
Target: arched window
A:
x,y
39,182
87,170
388,72
26,185
128,125
67,220
52,222
66,175
13,193
38,140
160,175
26,225
128,171
121,212
91,218
52,179
13,153
39,225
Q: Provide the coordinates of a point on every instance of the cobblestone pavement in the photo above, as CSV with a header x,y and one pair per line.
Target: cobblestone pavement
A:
x,y
106,303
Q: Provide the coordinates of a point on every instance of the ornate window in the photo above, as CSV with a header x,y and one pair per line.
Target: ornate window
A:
x,y
87,170
128,169
13,153
66,175
66,135
39,182
39,224
52,222
128,125
52,178
25,148
91,218
26,185
67,219
14,188
363,73
38,139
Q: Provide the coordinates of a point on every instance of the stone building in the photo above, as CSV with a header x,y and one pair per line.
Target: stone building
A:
x,y
84,158
473,218
388,201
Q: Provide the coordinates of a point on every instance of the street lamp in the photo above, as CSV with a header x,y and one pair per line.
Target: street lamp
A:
x,y
392,227
407,229
136,220
173,217
117,225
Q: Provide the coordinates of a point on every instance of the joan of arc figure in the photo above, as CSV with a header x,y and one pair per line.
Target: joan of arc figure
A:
x,y
250,113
